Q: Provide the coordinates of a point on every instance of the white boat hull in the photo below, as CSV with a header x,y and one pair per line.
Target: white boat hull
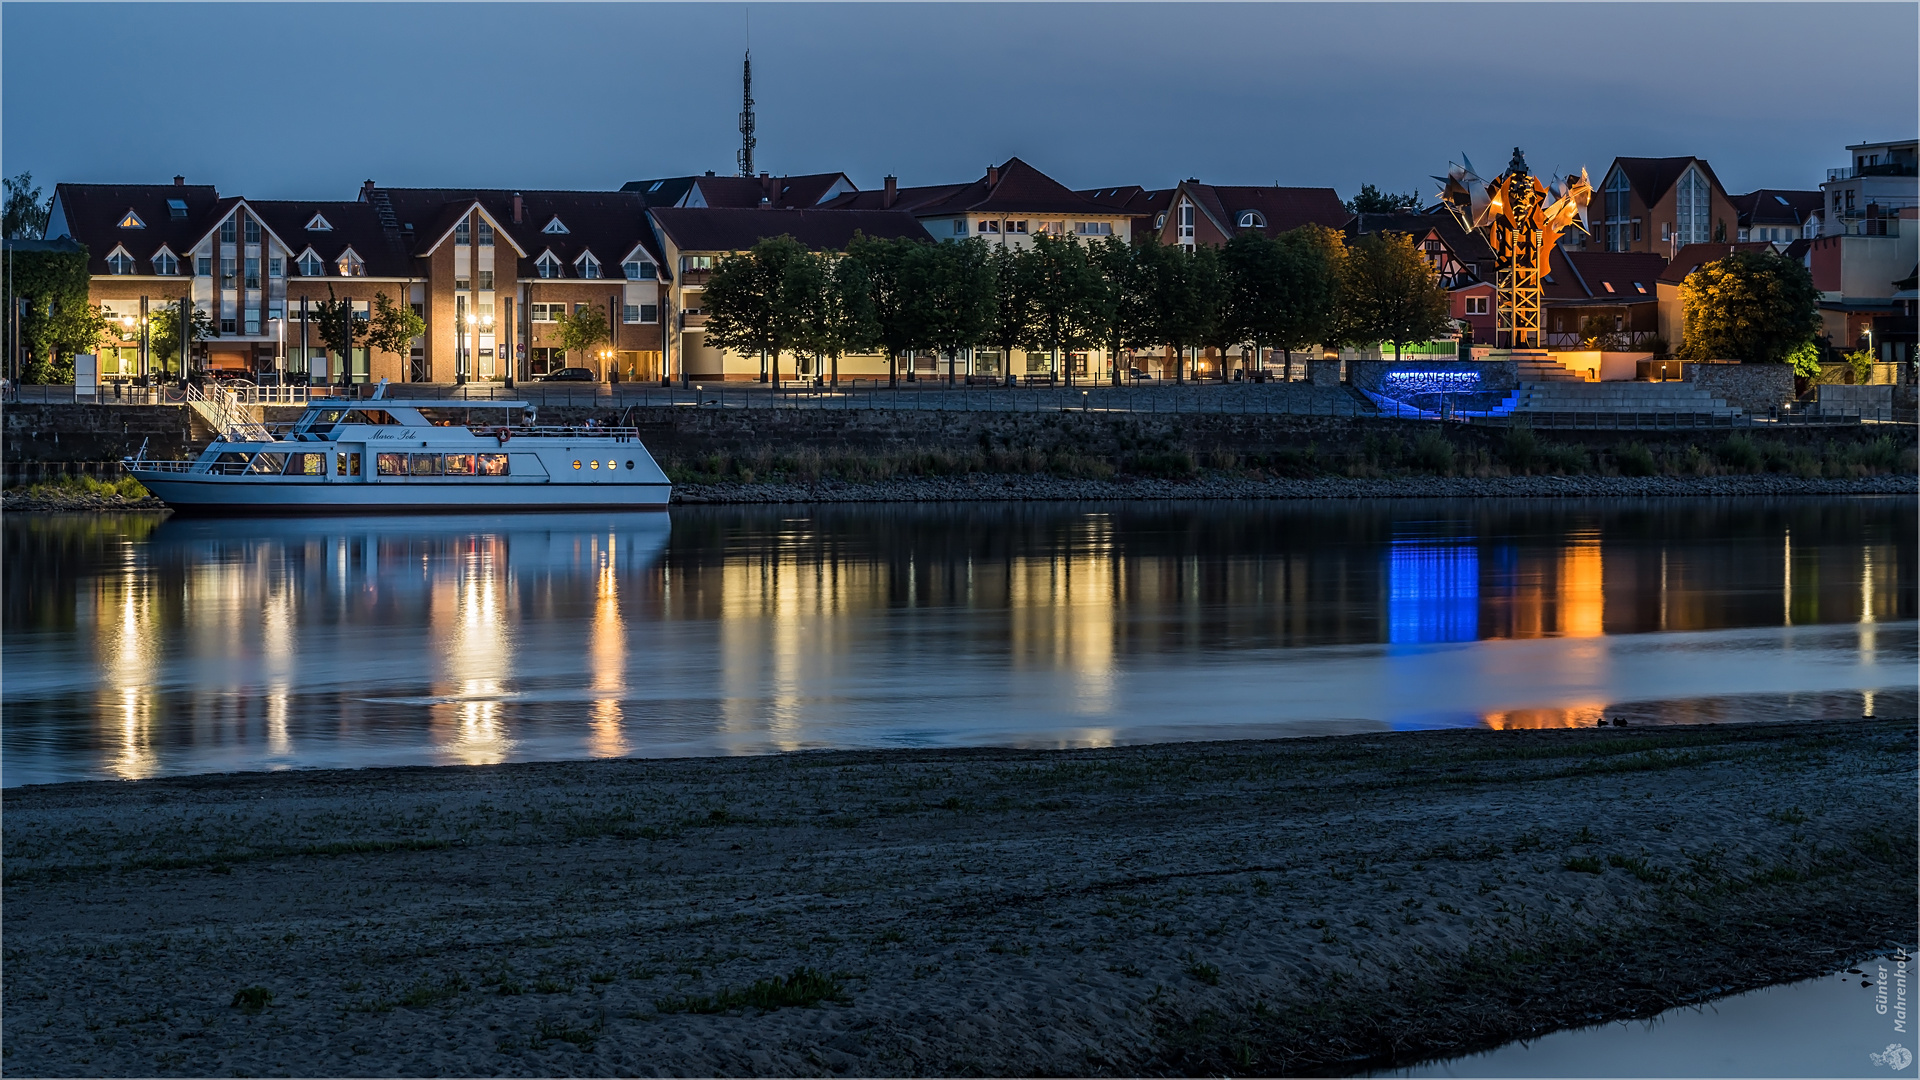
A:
x,y
213,493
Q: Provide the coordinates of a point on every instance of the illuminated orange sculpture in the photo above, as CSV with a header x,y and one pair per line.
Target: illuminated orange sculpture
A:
x,y
1523,221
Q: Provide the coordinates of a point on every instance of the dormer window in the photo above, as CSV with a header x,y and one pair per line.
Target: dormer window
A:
x,y
310,264
555,226
486,234
319,224
132,221
1251,219
461,234
351,265
1608,285
1160,220
165,264
120,262
177,209
587,265
640,270
547,265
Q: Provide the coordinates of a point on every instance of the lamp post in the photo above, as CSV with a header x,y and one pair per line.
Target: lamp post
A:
x,y
486,327
466,349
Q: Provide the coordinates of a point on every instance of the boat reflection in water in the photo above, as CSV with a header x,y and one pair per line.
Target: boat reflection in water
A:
x,y
203,645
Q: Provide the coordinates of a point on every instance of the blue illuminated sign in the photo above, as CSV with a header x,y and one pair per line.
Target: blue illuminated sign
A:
x,y
1409,383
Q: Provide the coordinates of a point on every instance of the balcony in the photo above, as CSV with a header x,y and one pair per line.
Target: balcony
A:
x,y
1895,168
695,277
1871,227
691,318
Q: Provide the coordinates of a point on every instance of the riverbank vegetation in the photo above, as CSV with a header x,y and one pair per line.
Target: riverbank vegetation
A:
x,y
1516,451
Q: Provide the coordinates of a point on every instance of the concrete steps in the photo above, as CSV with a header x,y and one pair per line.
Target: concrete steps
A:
x,y
1545,371
1558,395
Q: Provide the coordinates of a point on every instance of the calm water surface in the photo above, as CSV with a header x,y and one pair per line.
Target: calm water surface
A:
x,y
138,647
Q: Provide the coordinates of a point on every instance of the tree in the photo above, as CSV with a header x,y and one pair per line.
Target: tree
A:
x,y
163,333
1188,295
1260,282
1752,306
1011,318
828,293
1160,274
393,326
45,283
335,319
745,300
1119,310
957,283
896,294
1064,294
25,216
580,332
1372,201
1312,317
1391,293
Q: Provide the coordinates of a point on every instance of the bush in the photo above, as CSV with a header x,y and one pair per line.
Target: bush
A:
x,y
1521,448
1432,452
1169,463
1564,459
1634,459
1740,453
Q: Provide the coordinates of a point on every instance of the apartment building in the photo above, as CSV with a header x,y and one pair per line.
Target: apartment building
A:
x,y
1660,205
1778,217
490,271
1212,214
1009,205
806,192
1859,199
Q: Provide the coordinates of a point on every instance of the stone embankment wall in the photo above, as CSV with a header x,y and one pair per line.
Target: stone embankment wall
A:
x,y
1755,388
101,432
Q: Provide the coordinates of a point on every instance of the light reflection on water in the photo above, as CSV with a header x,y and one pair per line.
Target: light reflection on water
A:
x,y
134,648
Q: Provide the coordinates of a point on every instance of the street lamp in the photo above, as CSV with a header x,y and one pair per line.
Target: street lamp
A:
x,y
466,349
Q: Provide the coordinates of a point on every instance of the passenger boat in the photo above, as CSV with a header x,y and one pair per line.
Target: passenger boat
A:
x,y
391,455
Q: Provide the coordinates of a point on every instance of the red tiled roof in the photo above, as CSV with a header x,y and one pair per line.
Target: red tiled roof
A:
x,y
728,229
1651,177
1018,189
1694,256
1768,206
1587,275
91,214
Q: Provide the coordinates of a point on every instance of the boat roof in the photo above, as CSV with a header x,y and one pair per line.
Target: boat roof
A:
x,y
412,403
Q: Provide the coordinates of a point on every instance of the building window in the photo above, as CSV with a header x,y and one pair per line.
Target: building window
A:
x,y
275,311
132,221
630,313
461,284
486,280
227,231
309,265
1476,305
1093,228
589,266
252,231
1017,227
204,266
177,209
226,273
990,227
486,234
689,263
253,320
1186,221
1616,206
547,266
120,262
351,265
545,312
960,227
226,326
1160,220
649,313
555,226
165,264
640,270
319,224
1608,285
1691,207
253,272
1250,219
460,234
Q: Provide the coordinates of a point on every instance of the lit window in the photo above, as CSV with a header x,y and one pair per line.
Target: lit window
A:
x,y
576,465
691,263
1016,226
310,265
351,265
132,221
1608,285
1639,288
120,262
547,265
252,231
165,264
228,231
486,234
554,226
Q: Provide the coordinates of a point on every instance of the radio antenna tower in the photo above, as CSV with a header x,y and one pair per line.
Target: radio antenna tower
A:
x,y
746,113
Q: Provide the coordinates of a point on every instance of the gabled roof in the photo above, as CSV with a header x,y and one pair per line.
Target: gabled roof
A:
x,y
1693,256
742,192
601,220
1017,188
1281,208
1770,206
1651,177
707,229
1470,248
1577,276
355,225
91,213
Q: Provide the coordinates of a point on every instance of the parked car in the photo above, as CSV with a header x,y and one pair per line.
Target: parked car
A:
x,y
569,374
1137,375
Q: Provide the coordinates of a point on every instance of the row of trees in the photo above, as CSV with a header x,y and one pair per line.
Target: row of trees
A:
x,y
1307,287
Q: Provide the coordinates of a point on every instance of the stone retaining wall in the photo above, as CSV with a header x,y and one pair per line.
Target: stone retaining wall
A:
x,y
1753,388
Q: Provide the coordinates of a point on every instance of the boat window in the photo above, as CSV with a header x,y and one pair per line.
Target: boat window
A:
x,y
391,464
233,462
269,463
347,465
306,464
459,465
371,416
426,464
491,464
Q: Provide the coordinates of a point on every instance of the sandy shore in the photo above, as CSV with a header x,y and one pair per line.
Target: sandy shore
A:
x,y
1303,905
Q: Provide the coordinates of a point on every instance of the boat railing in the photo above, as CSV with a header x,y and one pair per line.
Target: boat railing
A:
x,y
559,431
149,465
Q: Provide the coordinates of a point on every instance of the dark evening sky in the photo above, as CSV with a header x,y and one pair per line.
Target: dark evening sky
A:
x,y
306,100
